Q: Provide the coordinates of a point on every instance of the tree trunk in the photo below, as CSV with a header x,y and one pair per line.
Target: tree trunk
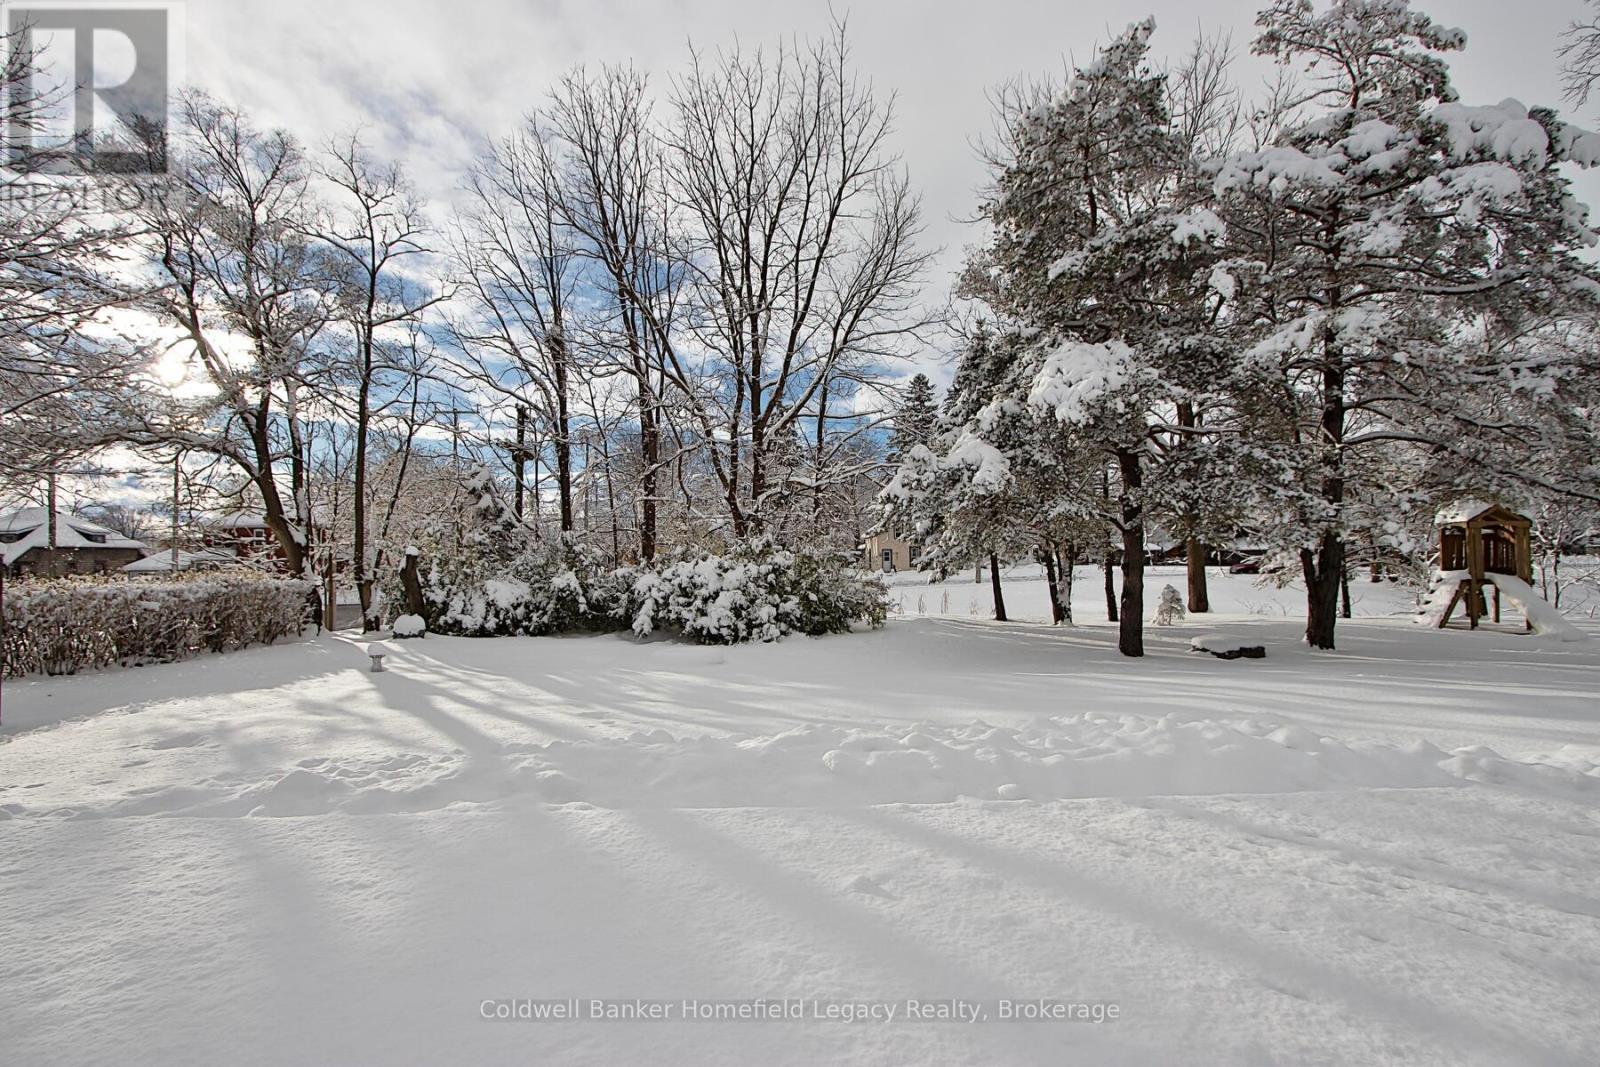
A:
x,y
1195,550
1068,558
411,583
1111,587
519,461
1344,593
1199,601
1052,584
359,490
1130,633
994,583
1321,570
650,447
816,472
330,581
1324,570
563,427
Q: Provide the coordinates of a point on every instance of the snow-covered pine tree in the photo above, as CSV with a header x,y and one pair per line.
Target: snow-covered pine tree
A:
x,y
1169,608
1101,267
955,496
1388,238
915,418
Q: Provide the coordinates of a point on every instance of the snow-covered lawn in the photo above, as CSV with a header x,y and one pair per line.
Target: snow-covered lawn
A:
x,y
1386,854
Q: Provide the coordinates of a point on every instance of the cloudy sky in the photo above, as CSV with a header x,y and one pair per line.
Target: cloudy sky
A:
x,y
428,80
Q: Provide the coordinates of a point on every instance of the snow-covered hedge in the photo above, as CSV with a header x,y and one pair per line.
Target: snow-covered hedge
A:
x,y
64,625
759,593
546,588
756,593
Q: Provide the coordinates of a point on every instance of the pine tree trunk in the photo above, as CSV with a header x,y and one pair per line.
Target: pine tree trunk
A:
x,y
1324,570
1321,570
994,584
1068,559
1053,585
1130,632
1344,593
1111,587
1199,600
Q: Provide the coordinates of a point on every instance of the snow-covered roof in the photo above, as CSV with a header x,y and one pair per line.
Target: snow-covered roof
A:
x,y
28,528
161,562
1465,511
244,520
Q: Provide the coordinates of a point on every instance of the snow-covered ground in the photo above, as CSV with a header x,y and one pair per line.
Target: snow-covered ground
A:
x,y
1385,854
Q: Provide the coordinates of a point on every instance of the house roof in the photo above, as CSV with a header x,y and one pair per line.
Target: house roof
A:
x,y
161,562
244,520
25,529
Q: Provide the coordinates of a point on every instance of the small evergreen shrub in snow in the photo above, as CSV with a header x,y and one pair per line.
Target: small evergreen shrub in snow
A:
x,y
757,593
64,625
1169,610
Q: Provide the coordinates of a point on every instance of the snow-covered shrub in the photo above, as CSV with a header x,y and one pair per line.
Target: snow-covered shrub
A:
x,y
545,587
756,593
1169,609
64,625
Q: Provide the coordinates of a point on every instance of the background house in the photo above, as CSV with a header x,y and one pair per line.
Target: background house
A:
x,y
886,552
244,536
81,546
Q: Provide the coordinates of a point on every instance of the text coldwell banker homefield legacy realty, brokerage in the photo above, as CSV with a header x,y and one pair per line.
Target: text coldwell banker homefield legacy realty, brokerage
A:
x,y
797,1008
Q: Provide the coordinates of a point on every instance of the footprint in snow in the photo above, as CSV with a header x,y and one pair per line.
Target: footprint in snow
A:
x,y
868,886
179,741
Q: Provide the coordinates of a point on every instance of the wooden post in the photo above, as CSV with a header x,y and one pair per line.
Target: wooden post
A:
x,y
1444,620
1475,570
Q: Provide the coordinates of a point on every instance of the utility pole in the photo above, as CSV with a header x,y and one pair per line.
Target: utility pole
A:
x,y
50,520
177,470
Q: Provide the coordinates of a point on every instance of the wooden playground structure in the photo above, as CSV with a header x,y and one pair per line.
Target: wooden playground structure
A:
x,y
1477,541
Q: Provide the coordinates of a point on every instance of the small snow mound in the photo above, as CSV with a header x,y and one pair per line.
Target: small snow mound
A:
x,y
301,792
410,626
1294,737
